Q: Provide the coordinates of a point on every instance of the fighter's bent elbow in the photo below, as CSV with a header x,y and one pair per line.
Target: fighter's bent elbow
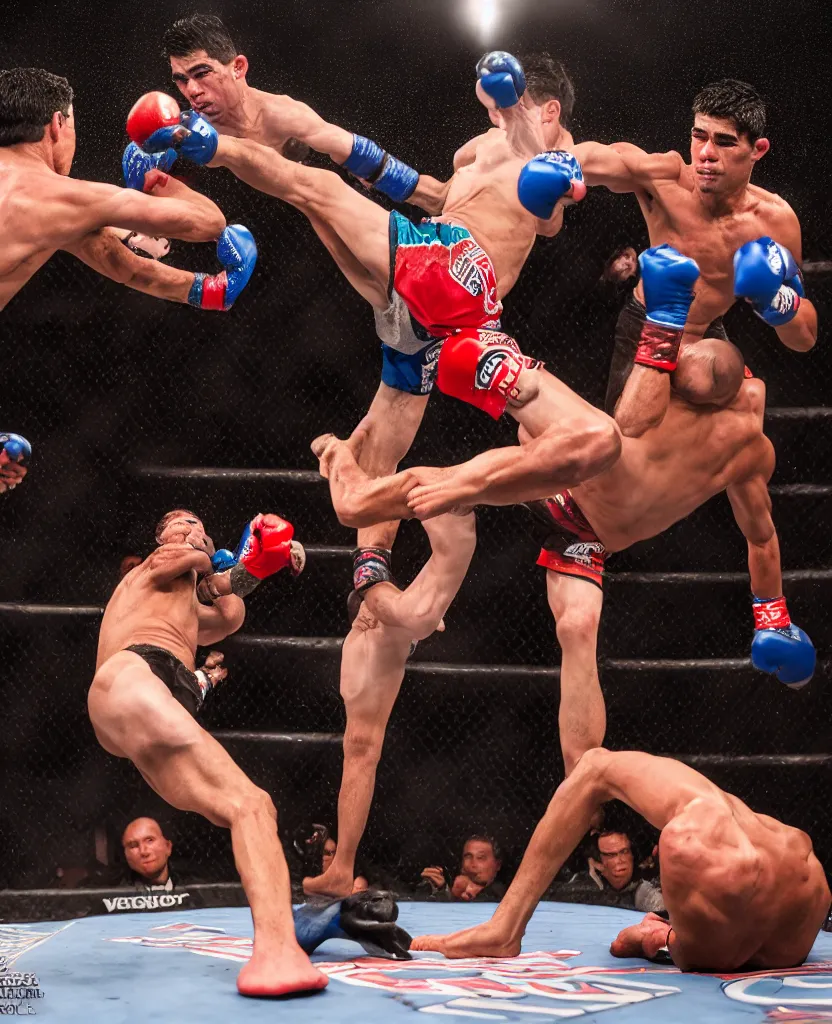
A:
x,y
598,446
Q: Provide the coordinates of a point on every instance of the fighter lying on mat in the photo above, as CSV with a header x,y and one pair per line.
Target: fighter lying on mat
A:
x,y
741,889
145,695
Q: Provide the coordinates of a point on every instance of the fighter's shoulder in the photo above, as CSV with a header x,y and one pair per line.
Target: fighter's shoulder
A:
x,y
774,209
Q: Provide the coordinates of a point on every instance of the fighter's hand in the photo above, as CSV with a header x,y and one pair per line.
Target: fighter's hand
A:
x,y
237,252
11,473
214,668
214,586
436,877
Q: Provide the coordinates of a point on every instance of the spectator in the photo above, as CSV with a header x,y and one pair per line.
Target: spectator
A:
x,y
477,880
621,266
147,853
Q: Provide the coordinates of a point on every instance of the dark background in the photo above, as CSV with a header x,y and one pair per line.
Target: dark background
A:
x,y
115,389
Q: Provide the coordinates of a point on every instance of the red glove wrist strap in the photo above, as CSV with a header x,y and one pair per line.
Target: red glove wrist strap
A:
x,y
213,291
771,614
658,347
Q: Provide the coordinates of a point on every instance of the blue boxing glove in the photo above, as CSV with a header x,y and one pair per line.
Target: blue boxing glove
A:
x,y
237,252
384,172
779,646
547,178
766,274
193,137
16,447
223,560
135,164
501,77
667,278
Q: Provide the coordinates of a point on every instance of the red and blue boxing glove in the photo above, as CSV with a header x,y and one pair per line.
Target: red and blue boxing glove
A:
x,y
266,546
667,278
767,275
156,125
779,646
546,179
237,252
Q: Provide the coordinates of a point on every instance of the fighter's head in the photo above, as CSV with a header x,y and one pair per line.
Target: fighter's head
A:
x,y
727,138
36,108
205,65
183,527
550,87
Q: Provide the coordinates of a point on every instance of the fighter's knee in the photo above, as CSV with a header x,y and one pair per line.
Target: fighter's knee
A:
x,y
576,626
710,372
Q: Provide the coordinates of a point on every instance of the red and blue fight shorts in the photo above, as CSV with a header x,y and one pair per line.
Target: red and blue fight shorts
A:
x,y
446,280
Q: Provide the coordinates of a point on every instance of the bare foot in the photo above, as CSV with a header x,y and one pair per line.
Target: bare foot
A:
x,y
330,883
285,972
323,448
483,940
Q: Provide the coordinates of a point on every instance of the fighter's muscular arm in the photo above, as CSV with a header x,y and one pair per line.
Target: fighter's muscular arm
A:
x,y
73,209
623,167
104,251
221,619
801,333
751,505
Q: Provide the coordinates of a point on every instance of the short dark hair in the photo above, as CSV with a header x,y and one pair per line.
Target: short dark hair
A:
x,y
548,79
199,32
735,101
28,99
482,838
163,523
596,850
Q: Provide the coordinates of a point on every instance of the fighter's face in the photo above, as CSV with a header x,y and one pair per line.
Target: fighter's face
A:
x,y
211,88
722,158
187,529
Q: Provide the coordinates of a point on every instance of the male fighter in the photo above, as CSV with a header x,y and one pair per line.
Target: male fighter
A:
x,y
44,210
145,695
742,890
452,272
746,241
212,75
387,623
13,450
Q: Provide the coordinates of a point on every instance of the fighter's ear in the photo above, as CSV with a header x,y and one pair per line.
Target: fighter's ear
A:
x,y
760,148
240,66
55,125
550,111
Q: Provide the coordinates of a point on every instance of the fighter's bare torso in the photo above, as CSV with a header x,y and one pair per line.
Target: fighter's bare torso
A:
x,y
671,470
22,254
675,214
143,611
482,197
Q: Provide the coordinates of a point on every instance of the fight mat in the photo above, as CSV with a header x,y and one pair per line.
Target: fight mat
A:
x,y
180,968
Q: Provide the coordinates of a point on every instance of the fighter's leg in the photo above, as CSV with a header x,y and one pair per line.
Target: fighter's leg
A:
x,y
187,767
576,605
710,372
655,787
359,501
353,270
361,224
388,431
372,668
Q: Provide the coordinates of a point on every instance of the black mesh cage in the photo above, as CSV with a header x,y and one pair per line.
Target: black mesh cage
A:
x,y
135,406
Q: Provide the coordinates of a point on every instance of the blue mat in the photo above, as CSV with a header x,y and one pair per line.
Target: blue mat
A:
x,y
181,968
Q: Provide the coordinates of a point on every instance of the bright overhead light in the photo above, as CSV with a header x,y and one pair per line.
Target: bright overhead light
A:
x,y
483,16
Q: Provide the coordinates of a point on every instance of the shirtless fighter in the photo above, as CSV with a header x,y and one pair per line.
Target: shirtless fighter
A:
x,y
212,75
451,272
145,695
741,889
44,210
745,240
